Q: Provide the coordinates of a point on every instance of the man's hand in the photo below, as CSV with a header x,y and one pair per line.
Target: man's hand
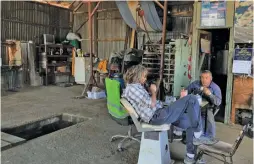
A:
x,y
153,88
207,91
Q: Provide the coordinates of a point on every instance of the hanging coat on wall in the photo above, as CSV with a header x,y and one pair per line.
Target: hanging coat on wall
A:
x,y
14,54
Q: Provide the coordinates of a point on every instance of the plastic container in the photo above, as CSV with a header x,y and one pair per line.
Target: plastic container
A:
x,y
96,95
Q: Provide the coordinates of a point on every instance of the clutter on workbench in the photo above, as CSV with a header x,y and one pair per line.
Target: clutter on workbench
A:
x,y
120,61
55,61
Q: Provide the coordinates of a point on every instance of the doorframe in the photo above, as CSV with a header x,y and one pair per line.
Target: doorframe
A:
x,y
195,71
195,51
229,90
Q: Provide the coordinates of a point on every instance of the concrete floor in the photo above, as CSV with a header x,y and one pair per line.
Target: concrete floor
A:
x,y
87,142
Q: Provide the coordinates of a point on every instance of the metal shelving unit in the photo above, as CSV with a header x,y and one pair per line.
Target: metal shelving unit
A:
x,y
169,67
52,56
152,60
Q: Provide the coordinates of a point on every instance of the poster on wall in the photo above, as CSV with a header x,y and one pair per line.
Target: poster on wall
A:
x,y
243,22
243,60
213,13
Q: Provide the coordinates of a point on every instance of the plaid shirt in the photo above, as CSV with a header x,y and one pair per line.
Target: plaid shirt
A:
x,y
141,101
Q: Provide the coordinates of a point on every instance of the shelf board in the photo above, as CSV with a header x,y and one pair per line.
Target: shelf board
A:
x,y
59,73
58,64
151,63
57,45
152,53
60,56
152,69
155,44
151,59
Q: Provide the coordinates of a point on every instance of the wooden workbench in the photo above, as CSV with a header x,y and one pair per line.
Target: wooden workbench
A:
x,y
242,96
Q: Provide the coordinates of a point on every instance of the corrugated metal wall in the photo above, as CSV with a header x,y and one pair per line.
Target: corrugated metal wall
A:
x,y
79,19
181,22
110,26
180,25
157,36
23,20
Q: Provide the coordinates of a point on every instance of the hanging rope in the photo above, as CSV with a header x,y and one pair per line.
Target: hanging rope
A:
x,y
140,14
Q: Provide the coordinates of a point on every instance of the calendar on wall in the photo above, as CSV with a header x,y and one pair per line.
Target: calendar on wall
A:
x,y
213,13
243,61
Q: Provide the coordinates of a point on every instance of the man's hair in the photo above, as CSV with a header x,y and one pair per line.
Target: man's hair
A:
x,y
134,74
206,71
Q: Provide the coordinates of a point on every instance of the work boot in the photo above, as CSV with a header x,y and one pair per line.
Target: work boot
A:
x,y
188,160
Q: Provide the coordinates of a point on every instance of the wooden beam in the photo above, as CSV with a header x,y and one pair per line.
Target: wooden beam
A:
x,y
111,40
96,7
71,20
114,18
182,14
79,5
194,45
159,4
95,31
80,12
82,25
71,4
229,78
107,10
132,40
106,40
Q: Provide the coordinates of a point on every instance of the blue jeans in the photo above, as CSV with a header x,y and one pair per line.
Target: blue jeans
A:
x,y
210,123
184,113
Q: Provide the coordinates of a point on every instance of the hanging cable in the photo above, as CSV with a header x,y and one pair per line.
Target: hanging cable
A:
x,y
140,14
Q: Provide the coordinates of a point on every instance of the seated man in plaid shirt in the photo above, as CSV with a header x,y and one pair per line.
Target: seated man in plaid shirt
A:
x,y
184,113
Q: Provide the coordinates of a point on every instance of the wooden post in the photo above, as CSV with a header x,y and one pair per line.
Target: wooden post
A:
x,y
132,40
230,22
232,111
194,56
95,33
